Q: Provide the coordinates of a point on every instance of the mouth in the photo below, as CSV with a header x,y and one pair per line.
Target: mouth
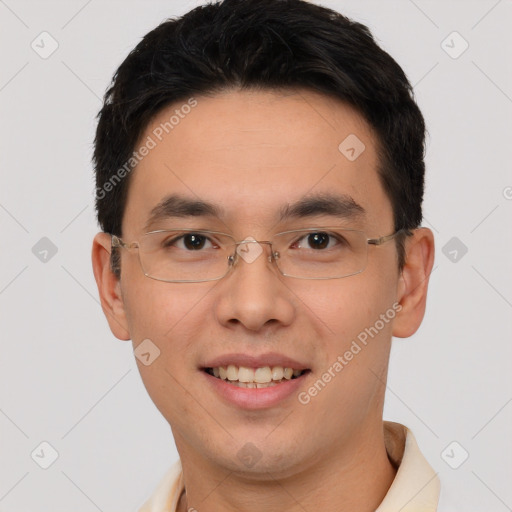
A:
x,y
255,378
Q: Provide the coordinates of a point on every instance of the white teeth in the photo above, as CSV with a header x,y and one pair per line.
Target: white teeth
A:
x,y
246,377
232,372
262,375
288,373
254,384
277,373
245,374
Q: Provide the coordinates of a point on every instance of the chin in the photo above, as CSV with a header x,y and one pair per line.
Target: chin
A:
x,y
259,460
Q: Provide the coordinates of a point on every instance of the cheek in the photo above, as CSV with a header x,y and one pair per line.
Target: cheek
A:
x,y
356,315
172,317
349,307
156,309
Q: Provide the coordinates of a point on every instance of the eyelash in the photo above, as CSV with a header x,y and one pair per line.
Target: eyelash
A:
x,y
339,239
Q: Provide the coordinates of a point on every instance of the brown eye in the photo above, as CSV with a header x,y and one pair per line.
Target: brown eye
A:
x,y
194,242
188,242
318,240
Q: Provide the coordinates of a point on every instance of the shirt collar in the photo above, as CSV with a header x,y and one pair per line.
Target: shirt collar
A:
x,y
416,486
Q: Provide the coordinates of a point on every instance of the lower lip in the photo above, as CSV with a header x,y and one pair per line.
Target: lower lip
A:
x,y
255,398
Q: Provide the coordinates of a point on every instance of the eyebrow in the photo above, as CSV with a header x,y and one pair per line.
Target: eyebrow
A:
x,y
179,206
335,205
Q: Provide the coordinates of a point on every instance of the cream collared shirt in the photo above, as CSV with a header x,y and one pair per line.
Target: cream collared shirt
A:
x,y
416,487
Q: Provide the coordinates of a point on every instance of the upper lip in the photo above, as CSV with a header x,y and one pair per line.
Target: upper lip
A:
x,y
249,361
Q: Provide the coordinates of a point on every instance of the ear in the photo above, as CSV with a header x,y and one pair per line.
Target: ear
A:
x,y
413,282
109,287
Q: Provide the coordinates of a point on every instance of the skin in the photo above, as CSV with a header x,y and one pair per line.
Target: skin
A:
x,y
238,150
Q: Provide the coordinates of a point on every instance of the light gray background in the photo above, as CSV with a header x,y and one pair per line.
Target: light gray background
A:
x,y
67,381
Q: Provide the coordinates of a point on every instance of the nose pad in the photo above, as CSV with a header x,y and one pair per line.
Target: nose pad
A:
x,y
250,250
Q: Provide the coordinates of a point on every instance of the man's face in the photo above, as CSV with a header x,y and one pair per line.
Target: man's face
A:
x,y
251,154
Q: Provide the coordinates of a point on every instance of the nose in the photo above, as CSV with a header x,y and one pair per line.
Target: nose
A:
x,y
253,293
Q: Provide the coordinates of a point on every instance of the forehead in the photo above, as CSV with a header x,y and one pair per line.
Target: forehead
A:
x,y
253,152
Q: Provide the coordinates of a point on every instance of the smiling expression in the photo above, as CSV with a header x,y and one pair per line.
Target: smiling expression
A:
x,y
253,164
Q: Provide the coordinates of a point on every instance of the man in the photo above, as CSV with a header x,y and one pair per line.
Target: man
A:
x,y
260,174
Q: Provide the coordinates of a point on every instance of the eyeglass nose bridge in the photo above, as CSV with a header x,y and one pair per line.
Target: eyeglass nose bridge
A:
x,y
249,255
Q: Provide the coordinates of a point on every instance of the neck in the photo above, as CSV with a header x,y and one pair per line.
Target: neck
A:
x,y
355,477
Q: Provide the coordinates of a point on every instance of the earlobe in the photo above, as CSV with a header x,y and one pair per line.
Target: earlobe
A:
x,y
413,282
109,287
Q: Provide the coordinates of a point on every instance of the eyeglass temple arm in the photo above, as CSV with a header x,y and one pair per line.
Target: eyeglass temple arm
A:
x,y
117,242
383,239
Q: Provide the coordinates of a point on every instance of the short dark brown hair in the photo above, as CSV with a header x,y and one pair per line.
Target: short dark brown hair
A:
x,y
262,44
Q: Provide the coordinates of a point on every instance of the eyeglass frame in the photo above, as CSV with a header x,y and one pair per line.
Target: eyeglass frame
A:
x,y
118,242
